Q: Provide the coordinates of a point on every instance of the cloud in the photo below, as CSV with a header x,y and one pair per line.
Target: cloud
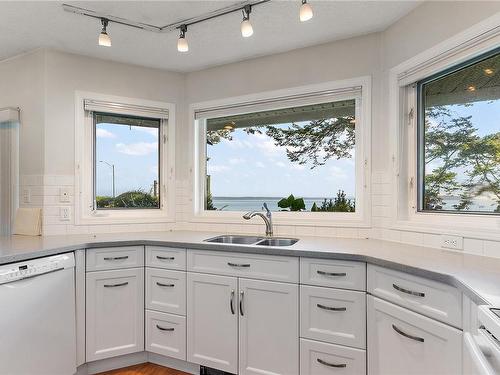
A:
x,y
260,164
152,131
337,173
103,133
235,161
137,149
217,168
280,164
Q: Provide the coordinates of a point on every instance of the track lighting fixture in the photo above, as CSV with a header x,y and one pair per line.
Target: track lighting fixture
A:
x,y
246,26
182,44
306,12
104,39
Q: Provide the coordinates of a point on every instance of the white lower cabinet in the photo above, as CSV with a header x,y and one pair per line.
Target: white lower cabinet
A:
x,y
166,290
319,358
114,313
269,321
212,321
166,334
404,342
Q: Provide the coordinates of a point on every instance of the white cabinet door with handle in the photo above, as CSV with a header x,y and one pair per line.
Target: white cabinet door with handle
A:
x,y
401,341
269,328
114,313
212,321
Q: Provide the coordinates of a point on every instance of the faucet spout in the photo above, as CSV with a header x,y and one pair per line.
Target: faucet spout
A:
x,y
267,219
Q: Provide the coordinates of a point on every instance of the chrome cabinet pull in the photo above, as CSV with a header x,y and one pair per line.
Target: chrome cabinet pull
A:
x,y
336,274
231,302
339,365
403,290
115,285
241,265
242,294
116,258
331,308
164,329
416,338
164,258
165,285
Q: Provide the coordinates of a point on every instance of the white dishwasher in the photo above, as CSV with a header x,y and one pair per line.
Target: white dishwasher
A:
x,y
37,317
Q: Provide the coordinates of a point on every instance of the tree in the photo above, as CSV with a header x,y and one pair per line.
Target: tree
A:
x,y
292,204
339,204
452,144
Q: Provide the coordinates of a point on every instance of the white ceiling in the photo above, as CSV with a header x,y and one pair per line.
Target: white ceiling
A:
x,y
28,25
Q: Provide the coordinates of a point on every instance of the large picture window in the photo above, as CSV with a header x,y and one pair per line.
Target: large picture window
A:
x,y
459,138
126,162
299,158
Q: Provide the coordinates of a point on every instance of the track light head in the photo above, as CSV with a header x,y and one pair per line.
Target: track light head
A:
x,y
182,44
306,12
246,26
104,39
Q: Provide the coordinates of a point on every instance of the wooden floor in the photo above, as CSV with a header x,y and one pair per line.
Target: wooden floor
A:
x,y
144,369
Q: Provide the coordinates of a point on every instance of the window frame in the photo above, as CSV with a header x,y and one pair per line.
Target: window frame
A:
x,y
95,161
85,212
420,110
400,176
360,218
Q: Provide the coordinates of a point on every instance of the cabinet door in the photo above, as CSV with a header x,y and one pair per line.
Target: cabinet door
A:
x,y
212,321
403,342
269,328
114,313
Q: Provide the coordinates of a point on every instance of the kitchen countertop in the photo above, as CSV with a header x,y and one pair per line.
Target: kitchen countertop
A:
x,y
477,276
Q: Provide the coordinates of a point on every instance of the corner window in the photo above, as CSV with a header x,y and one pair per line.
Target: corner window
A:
x,y
296,159
126,162
459,138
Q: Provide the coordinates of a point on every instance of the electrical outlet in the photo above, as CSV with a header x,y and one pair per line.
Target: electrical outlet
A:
x,y
64,195
452,242
26,195
65,213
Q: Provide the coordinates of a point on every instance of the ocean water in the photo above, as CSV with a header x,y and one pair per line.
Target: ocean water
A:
x,y
255,203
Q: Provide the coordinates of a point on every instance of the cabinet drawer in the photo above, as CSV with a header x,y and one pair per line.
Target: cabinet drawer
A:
x,y
436,300
319,358
166,290
110,258
166,334
254,266
333,273
403,342
166,257
333,315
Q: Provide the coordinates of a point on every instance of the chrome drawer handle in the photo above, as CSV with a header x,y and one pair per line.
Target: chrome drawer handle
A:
x,y
164,258
403,290
231,302
115,285
416,338
164,329
339,365
243,265
331,308
336,274
116,258
242,294
165,285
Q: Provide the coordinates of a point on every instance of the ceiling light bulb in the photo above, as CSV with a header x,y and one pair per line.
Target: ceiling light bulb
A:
x,y
182,44
104,39
471,88
246,26
488,71
306,12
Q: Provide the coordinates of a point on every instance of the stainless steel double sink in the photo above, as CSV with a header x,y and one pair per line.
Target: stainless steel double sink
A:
x,y
253,240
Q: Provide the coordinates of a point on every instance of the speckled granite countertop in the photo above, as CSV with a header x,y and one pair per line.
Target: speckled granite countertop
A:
x,y
478,277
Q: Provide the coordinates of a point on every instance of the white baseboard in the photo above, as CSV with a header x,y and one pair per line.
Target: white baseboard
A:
x,y
135,359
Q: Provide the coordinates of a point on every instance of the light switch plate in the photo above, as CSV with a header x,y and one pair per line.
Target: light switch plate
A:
x,y
26,195
64,195
452,242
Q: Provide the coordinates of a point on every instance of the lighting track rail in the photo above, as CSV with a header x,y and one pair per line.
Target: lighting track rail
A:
x,y
167,28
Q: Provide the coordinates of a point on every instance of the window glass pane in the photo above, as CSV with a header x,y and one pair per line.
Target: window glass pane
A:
x,y
126,162
461,140
294,159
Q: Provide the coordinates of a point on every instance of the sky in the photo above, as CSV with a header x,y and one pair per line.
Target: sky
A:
x,y
251,165
133,151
